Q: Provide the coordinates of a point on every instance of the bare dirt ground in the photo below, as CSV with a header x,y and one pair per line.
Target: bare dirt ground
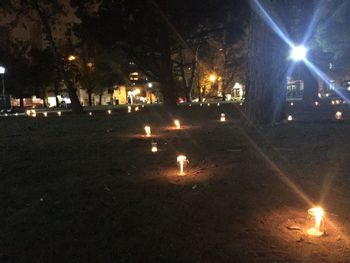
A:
x,y
88,189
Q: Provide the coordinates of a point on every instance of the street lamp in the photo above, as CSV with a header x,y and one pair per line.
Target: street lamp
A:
x,y
298,53
71,58
2,73
212,78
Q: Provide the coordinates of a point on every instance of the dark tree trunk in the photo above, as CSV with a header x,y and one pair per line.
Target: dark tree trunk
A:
x,y
76,106
21,102
90,97
310,86
168,91
267,72
100,101
56,93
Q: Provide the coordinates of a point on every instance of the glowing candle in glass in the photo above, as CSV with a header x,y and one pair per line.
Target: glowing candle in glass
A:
x,y
148,131
222,117
338,115
182,161
154,147
318,228
177,124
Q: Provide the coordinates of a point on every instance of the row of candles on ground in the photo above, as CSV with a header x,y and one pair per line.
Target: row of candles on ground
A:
x,y
317,212
137,108
181,159
338,116
33,113
333,102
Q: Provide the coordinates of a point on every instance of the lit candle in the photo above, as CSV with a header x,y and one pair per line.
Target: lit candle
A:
x,y
109,112
318,229
90,113
181,160
154,147
137,108
333,102
59,114
316,103
218,104
292,104
290,118
177,124
148,131
190,105
222,117
28,112
338,115
129,109
16,114
200,104
45,114
143,106
208,104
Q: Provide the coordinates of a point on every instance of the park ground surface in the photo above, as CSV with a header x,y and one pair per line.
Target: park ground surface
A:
x,y
88,189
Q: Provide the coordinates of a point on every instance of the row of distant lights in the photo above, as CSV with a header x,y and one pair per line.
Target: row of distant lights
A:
x,y
338,115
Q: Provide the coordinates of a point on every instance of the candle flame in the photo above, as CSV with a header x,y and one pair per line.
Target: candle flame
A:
x,y
318,214
338,115
109,112
45,114
148,131
59,113
181,159
290,118
154,148
222,117
177,124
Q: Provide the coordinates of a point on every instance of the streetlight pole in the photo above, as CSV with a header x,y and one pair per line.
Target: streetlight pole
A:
x,y
2,73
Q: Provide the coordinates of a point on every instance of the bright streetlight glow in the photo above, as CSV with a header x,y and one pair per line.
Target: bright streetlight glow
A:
x,y
71,58
212,78
298,53
2,70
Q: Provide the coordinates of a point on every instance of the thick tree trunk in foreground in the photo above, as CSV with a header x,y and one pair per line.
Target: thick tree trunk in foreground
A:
x,y
266,75
76,106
